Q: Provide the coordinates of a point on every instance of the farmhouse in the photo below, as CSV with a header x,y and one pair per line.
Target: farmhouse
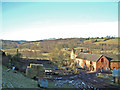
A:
x,y
95,62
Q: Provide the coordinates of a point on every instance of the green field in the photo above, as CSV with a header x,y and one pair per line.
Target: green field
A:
x,y
18,80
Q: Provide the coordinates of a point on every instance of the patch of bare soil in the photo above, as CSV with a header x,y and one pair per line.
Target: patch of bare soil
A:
x,y
83,80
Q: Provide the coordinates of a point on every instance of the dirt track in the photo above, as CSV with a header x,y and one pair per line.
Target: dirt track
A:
x,y
84,80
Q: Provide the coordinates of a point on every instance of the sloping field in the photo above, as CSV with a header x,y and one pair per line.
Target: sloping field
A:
x,y
16,80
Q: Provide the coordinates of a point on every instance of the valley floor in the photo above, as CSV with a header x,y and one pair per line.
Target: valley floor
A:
x,y
10,79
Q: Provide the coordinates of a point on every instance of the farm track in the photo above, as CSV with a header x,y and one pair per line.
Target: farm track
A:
x,y
84,80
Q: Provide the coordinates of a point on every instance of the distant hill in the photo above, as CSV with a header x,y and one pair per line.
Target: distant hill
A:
x,y
21,41
43,48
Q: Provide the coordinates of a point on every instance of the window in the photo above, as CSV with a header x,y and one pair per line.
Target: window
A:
x,y
102,60
91,62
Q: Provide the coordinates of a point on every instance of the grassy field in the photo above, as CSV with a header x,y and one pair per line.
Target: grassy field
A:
x,y
18,80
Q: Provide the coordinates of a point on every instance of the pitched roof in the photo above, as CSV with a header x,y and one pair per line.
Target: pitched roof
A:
x,y
87,56
95,57
112,57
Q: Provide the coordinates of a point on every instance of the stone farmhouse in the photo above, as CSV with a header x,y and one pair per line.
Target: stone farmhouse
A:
x,y
96,62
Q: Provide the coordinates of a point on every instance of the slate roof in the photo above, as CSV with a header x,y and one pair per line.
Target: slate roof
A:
x,y
112,57
95,57
91,57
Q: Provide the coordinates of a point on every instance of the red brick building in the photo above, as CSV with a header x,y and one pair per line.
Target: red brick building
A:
x,y
93,61
114,61
115,64
97,62
103,63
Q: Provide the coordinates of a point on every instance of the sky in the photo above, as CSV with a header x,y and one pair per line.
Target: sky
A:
x,y
42,20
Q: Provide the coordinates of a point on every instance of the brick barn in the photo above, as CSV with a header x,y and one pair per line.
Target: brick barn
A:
x,y
114,61
115,64
95,62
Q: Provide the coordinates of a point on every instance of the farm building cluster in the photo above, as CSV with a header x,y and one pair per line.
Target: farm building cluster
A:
x,y
95,62
86,60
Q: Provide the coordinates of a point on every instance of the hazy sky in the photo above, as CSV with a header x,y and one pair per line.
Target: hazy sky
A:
x,y
42,20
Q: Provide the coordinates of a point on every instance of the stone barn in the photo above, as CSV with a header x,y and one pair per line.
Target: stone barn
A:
x,y
93,61
96,62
